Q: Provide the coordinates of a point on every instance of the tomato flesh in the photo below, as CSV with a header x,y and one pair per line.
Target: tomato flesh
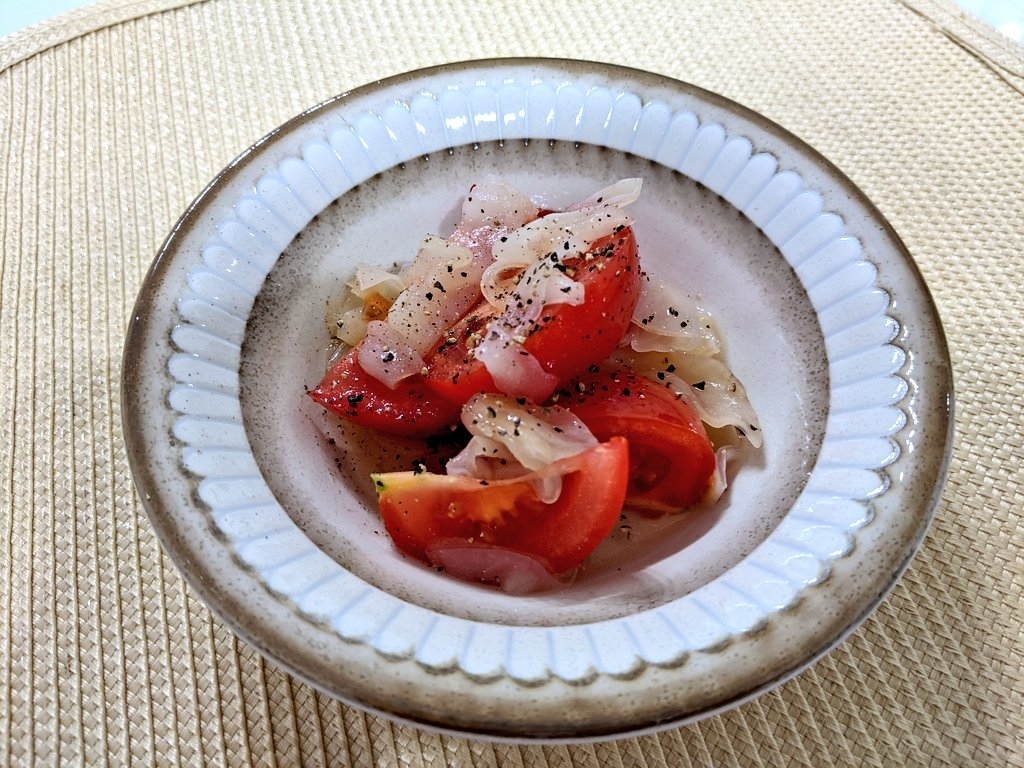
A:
x,y
453,374
567,339
421,510
410,409
671,459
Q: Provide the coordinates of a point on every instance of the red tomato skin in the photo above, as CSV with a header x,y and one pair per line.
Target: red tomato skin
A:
x,y
453,374
423,509
672,460
567,339
409,410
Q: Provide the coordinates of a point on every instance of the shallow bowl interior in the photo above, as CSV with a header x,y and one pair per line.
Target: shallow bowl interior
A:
x,y
319,467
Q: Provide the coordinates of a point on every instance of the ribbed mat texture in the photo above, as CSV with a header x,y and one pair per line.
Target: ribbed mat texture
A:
x,y
114,118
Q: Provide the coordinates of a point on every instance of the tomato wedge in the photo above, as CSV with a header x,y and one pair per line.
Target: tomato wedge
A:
x,y
671,459
423,510
410,409
567,339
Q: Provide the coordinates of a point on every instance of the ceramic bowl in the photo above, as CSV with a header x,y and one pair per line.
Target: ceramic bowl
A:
x,y
265,502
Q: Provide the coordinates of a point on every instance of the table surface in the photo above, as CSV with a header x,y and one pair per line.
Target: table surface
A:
x,y
114,116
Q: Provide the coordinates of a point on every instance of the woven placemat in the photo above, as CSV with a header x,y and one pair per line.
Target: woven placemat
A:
x,y
114,117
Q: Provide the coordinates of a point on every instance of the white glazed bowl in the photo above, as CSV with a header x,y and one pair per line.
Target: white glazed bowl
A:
x,y
265,502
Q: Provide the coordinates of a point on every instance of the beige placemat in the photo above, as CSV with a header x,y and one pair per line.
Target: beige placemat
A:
x,y
114,117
